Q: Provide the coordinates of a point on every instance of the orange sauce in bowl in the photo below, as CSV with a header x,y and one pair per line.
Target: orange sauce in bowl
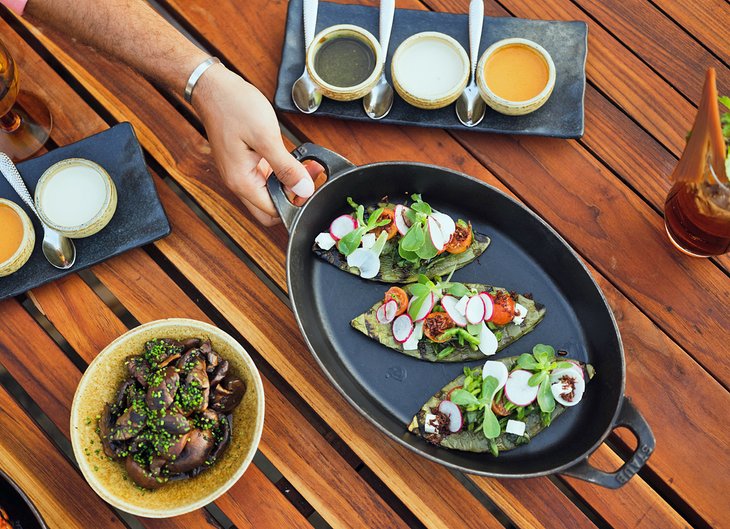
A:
x,y
11,232
516,72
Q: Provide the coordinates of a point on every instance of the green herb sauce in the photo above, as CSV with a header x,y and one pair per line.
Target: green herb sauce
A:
x,y
344,61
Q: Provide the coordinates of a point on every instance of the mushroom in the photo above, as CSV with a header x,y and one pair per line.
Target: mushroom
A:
x,y
106,423
224,434
190,343
138,368
198,378
141,476
206,347
161,395
120,400
187,360
128,425
175,424
218,374
228,394
171,449
196,451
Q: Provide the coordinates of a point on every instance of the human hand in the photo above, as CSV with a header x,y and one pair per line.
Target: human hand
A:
x,y
244,134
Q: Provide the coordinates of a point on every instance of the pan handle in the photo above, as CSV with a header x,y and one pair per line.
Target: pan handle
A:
x,y
634,421
333,163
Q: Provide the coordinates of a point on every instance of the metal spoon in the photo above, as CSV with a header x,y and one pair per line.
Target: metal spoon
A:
x,y
379,101
58,249
470,106
304,92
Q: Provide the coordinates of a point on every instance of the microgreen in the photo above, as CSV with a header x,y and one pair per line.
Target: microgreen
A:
x,y
490,425
725,123
542,362
350,242
416,244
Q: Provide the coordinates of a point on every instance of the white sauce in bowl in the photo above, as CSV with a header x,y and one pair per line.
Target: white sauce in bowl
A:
x,y
74,196
430,67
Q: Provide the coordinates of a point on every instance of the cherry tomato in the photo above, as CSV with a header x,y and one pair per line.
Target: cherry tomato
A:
x,y
435,324
400,297
390,228
504,308
461,239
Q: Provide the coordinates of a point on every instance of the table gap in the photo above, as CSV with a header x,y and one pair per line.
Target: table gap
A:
x,y
670,17
109,299
664,491
594,516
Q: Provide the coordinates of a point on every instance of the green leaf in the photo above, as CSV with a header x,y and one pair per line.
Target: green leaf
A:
x,y
354,204
564,365
411,216
427,249
419,290
421,207
537,378
411,257
416,197
373,218
526,361
725,101
413,239
544,354
463,398
424,280
489,388
377,248
545,398
474,329
350,242
457,290
416,306
490,426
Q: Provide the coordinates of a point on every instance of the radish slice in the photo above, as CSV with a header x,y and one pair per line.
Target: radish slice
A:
x,y
520,314
402,328
453,412
426,308
567,386
325,241
515,427
475,310
449,305
578,367
417,330
488,343
461,305
367,261
341,226
438,238
447,224
518,391
488,305
400,219
386,313
497,370
411,344
368,240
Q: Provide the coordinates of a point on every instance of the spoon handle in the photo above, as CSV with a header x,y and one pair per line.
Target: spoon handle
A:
x,y
11,174
476,21
387,12
310,21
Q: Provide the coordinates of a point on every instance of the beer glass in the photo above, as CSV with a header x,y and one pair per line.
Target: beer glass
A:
x,y
25,121
697,210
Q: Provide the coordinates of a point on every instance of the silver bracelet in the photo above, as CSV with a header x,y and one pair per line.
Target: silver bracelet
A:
x,y
196,75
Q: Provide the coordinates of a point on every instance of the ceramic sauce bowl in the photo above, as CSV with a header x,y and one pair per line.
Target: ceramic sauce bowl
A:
x,y
345,62
76,197
18,237
430,70
515,76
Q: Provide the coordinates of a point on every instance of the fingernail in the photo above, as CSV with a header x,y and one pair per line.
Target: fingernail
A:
x,y
304,188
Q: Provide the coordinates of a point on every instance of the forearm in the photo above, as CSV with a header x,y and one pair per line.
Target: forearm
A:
x,y
128,30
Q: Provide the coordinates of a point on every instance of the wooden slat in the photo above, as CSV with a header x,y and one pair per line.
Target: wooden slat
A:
x,y
289,441
664,45
52,484
324,123
707,20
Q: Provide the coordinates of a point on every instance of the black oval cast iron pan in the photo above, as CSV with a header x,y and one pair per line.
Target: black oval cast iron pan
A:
x,y
526,255
23,514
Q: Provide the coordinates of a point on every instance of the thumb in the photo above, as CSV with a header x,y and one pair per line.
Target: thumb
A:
x,y
290,171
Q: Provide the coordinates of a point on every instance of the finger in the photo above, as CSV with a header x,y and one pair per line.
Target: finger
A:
x,y
289,171
261,216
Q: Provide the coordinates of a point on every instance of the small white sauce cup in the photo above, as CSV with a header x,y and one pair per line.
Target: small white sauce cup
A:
x,y
505,106
16,261
345,93
99,220
437,100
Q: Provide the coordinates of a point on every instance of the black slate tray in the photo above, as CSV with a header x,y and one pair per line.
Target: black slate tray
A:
x,y
139,218
567,43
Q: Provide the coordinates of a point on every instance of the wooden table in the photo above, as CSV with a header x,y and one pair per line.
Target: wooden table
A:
x,y
321,463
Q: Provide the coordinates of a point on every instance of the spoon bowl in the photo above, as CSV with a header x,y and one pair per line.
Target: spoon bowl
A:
x,y
378,102
304,92
470,106
58,249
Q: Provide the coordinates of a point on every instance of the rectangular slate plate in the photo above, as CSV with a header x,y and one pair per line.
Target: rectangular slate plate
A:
x,y
139,218
560,117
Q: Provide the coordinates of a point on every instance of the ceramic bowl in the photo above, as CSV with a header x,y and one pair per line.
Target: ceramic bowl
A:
x,y
414,95
24,251
349,93
505,106
100,220
99,385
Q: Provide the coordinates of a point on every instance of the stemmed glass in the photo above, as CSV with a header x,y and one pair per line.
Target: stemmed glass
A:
x,y
25,121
